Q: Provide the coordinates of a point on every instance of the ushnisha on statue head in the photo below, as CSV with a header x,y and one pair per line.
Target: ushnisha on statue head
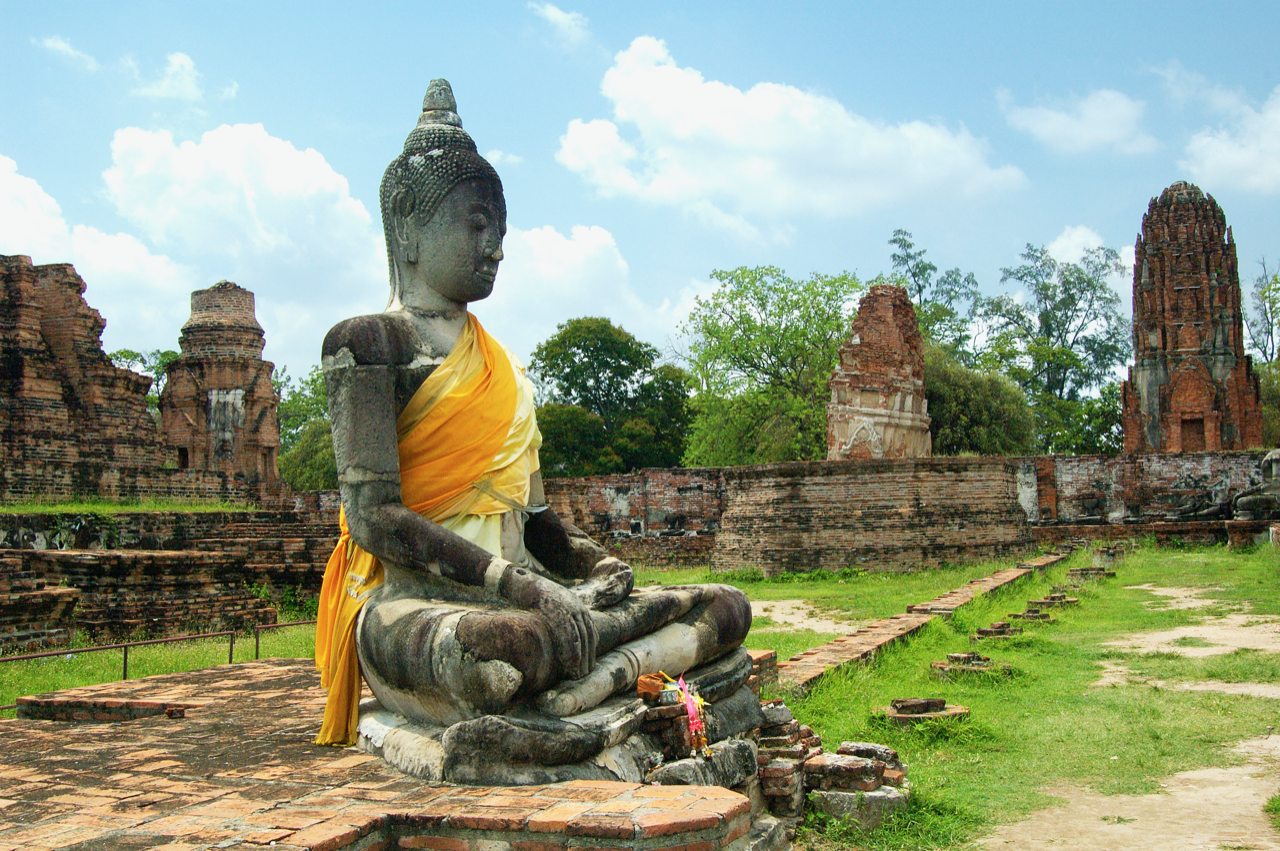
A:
x,y
439,156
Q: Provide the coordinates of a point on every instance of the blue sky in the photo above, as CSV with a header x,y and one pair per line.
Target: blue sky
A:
x,y
162,147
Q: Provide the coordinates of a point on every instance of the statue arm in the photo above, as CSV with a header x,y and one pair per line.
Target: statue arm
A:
x,y
360,384
569,552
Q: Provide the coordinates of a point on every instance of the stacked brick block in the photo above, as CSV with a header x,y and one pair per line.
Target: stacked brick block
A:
x,y
161,573
125,593
783,748
878,407
33,613
1191,388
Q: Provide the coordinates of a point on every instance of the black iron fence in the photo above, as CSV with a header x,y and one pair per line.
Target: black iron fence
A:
x,y
230,635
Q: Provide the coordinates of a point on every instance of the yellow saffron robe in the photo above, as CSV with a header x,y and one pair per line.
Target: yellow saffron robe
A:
x,y
468,443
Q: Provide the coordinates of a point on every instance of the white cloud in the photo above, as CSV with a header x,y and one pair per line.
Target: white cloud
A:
x,y
570,27
143,296
1185,86
1106,119
499,158
62,47
250,207
1070,246
1244,153
180,80
549,277
726,156
229,92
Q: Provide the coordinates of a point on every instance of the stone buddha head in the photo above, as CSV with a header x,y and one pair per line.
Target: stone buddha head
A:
x,y
443,210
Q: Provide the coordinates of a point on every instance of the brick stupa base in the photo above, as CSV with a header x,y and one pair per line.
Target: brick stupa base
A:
x,y
223,758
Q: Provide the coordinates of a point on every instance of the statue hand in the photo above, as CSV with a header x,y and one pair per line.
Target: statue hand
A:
x,y
572,630
609,583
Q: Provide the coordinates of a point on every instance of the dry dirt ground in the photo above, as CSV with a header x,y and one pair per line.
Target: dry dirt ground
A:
x,y
1210,809
796,614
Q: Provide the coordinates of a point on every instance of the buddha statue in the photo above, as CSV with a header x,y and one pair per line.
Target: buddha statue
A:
x,y
469,607
1262,501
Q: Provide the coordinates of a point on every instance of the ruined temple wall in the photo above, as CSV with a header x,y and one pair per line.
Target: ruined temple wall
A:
x,y
881,515
1131,487
888,514
645,502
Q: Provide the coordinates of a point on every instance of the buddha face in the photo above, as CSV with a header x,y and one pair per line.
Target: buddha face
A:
x,y
458,250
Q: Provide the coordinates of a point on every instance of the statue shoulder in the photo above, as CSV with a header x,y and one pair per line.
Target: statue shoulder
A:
x,y
378,339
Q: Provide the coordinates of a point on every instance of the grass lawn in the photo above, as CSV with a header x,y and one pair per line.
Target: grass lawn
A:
x,y
1047,727
71,669
105,506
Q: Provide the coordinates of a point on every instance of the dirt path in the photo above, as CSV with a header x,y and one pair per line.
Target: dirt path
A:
x,y
1210,809
796,614
1222,634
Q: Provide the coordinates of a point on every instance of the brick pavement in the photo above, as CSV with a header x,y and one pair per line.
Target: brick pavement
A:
x,y
806,668
237,769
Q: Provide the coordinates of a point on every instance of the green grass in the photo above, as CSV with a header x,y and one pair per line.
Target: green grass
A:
x,y
853,596
1192,641
1272,809
105,506
1047,727
71,669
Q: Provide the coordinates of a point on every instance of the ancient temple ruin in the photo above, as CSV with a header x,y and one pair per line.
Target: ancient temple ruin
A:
x,y
878,408
71,422
1191,388
218,408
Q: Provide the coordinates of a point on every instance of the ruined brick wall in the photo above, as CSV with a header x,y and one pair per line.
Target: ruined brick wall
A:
x,y
71,423
1191,388
882,515
646,502
1134,488
218,408
878,408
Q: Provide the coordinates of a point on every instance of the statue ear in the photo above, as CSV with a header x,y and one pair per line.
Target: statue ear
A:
x,y
402,204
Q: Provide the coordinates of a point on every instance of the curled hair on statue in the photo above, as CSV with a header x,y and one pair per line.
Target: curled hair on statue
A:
x,y
438,155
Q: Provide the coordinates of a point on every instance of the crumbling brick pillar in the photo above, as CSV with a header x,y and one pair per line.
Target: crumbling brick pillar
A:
x,y
878,408
218,408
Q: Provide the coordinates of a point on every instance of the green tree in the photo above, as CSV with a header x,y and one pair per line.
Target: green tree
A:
x,y
637,407
1263,322
975,413
1061,340
594,364
941,303
574,443
761,349
153,363
1269,378
309,463
301,401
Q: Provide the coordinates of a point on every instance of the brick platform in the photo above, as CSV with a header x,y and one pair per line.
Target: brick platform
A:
x,y
238,770
806,668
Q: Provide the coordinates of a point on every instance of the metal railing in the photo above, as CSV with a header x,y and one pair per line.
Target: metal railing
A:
x,y
230,635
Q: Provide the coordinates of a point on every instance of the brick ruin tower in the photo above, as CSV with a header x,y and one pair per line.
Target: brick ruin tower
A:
x,y
71,422
1191,388
218,408
877,407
